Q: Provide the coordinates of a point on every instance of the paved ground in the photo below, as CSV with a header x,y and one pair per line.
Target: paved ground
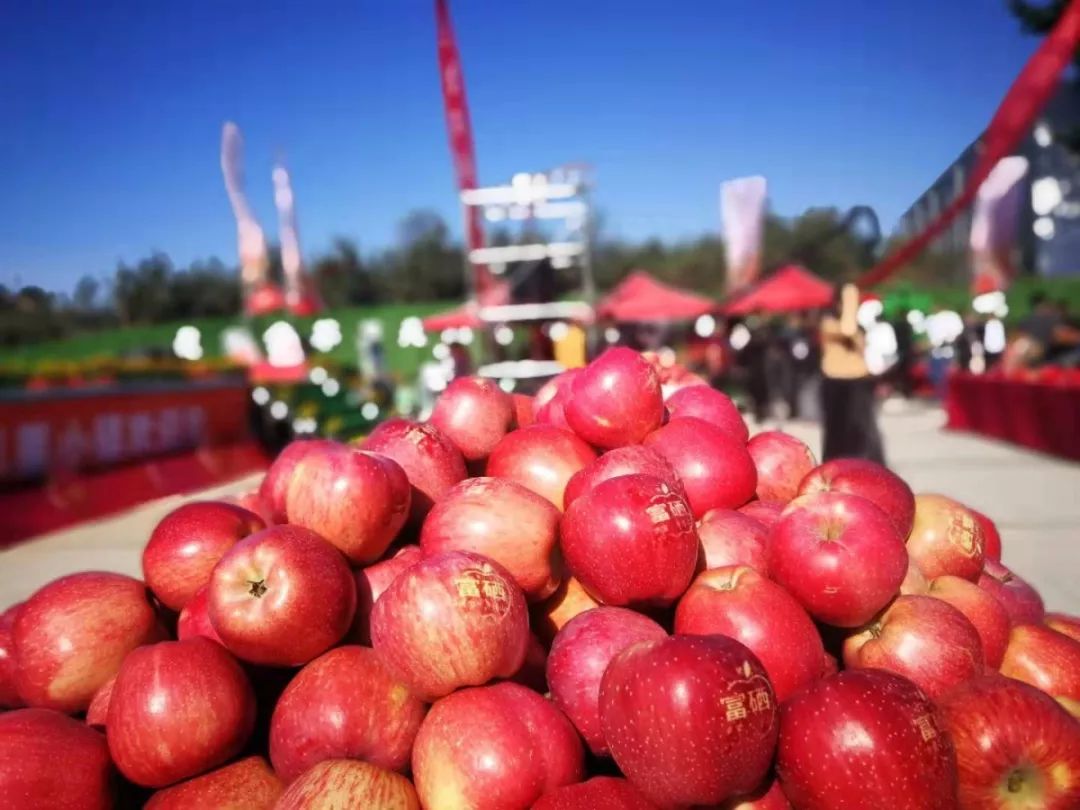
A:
x,y
1034,500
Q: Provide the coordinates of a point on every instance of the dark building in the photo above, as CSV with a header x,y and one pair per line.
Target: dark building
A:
x,y
1048,238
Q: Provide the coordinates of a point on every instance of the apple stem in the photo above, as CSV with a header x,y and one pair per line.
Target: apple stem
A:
x,y
875,630
257,588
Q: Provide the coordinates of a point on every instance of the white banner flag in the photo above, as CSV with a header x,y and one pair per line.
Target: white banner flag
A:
x,y
291,261
994,222
742,212
254,261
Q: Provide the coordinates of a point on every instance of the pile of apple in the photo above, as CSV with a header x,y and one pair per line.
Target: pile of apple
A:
x,y
605,597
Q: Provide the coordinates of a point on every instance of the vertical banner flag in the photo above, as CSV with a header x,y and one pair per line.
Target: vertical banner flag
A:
x,y
254,261
742,211
459,130
993,225
299,295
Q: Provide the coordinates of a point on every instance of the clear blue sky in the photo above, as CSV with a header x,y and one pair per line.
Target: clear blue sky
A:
x,y
112,112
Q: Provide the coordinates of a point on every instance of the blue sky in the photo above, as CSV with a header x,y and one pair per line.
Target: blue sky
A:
x,y
112,112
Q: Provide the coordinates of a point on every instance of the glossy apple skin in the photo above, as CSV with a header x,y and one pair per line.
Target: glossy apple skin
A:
x,y
924,639
598,793
631,541
336,784
579,655
523,410
740,603
765,512
9,695
253,502
281,597
915,582
839,556
615,400
945,539
732,538
1063,623
710,405
716,470
767,797
344,705
493,747
1045,659
549,404
48,760
72,634
782,462
186,545
455,619
550,616
1021,601
370,584
689,719
985,613
194,619
275,484
853,476
474,413
178,708
356,500
859,722
430,460
247,784
991,536
504,521
631,460
533,672
542,458
1015,746
97,714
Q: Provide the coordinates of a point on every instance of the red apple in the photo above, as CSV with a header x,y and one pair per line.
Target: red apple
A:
x,y
186,545
523,410
985,613
631,541
533,672
248,783
551,615
357,500
1046,659
615,400
455,619
708,404
370,584
829,666
864,739
344,704
732,538
549,404
73,633
782,462
631,460
767,797
1063,623
430,460
52,762
1020,600
340,783
9,694
924,639
945,539
715,469
991,536
542,458
494,747
504,521
252,501
856,476
97,714
740,603
281,597
1015,747
598,793
766,513
689,719
915,582
474,414
579,655
839,555
178,708
194,619
275,484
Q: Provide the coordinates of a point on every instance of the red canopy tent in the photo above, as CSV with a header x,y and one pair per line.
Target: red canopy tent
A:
x,y
465,315
640,297
789,289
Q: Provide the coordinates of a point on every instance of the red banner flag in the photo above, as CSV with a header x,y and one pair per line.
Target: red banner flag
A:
x,y
1012,121
459,130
